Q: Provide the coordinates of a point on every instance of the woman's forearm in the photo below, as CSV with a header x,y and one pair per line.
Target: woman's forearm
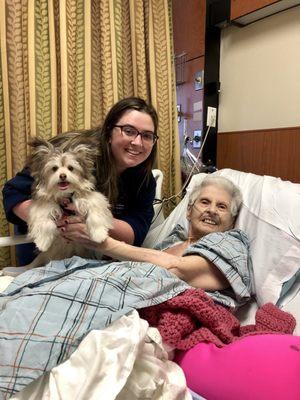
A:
x,y
21,210
123,251
121,230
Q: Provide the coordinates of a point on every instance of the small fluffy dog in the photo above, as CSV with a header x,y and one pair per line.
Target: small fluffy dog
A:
x,y
61,173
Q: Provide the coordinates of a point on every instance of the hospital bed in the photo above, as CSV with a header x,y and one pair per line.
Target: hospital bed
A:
x,y
269,215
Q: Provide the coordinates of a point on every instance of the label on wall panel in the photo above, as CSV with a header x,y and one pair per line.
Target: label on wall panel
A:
x,y
197,106
197,116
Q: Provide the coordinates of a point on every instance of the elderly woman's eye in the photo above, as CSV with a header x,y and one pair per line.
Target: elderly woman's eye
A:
x,y
55,168
70,168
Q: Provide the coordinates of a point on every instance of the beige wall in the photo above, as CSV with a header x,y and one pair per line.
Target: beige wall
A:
x,y
260,74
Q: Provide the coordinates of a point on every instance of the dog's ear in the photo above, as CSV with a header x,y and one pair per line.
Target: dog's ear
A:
x,y
85,154
40,145
41,149
91,144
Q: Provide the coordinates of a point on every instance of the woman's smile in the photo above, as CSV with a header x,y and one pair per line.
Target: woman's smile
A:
x,y
133,152
209,221
129,151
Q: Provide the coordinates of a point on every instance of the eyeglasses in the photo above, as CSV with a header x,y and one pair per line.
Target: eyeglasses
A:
x,y
148,137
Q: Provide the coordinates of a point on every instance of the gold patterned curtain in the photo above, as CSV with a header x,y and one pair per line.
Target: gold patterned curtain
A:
x,y
63,63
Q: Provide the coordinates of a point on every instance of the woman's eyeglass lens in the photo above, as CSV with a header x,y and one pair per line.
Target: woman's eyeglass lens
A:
x,y
131,132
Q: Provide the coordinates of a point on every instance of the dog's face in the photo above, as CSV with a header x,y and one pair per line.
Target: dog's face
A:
x,y
59,173
64,174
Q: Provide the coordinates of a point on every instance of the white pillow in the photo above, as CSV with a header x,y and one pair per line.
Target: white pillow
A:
x,y
269,216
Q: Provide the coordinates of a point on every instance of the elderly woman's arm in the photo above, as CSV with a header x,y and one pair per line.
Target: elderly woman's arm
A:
x,y
193,269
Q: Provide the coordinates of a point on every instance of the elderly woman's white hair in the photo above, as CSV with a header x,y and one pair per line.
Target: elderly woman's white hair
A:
x,y
223,183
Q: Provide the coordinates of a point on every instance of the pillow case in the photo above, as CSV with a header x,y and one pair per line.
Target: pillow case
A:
x,y
270,217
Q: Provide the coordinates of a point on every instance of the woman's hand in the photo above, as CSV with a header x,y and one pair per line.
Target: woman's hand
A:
x,y
68,208
73,229
71,225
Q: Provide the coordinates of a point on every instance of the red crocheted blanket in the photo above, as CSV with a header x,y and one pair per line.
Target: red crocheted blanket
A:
x,y
193,317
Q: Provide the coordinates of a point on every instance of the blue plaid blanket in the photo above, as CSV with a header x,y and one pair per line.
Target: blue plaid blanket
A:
x,y
46,312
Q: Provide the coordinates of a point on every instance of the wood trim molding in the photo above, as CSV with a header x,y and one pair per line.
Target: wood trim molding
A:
x,y
243,7
273,152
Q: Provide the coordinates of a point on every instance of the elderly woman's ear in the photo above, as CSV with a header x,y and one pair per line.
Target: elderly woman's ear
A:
x,y
233,222
188,212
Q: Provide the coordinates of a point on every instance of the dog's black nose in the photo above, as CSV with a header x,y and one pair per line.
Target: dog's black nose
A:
x,y
63,177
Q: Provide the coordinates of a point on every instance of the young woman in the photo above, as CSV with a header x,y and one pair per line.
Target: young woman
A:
x,y
127,150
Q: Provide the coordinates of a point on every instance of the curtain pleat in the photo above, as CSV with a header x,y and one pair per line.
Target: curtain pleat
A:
x,y
87,65
162,88
138,33
64,63
17,72
97,114
42,75
5,144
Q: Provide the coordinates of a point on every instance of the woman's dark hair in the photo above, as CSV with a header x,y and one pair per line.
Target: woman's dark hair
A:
x,y
68,140
105,168
106,172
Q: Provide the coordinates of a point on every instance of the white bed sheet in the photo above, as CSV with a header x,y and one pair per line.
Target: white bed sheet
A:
x,y
127,360
4,282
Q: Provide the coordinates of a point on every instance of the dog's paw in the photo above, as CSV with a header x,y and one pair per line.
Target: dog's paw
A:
x,y
99,234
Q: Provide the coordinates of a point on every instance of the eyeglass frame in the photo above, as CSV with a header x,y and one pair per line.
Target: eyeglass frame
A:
x,y
155,137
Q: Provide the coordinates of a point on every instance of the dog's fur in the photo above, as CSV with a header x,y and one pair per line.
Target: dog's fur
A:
x,y
58,173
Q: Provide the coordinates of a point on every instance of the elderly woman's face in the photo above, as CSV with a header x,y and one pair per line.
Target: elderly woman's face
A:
x,y
210,212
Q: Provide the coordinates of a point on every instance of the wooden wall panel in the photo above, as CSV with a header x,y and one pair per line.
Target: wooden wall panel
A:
x,y
273,152
189,27
243,7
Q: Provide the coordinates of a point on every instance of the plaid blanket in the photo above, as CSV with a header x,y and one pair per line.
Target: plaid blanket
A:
x,y
46,312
